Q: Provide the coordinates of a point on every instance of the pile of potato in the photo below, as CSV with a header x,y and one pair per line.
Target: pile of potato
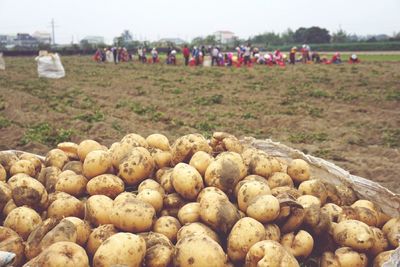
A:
x,y
197,202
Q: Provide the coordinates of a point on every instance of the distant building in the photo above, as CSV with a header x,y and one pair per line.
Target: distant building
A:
x,y
7,41
93,40
26,40
224,37
176,41
42,37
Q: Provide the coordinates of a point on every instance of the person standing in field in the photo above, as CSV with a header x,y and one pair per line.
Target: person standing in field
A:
x,y
154,55
196,55
292,55
214,56
115,54
186,54
247,54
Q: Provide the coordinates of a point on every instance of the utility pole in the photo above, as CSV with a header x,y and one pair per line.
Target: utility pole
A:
x,y
52,32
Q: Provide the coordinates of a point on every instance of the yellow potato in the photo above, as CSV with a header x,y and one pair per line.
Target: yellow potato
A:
x,y
278,179
151,184
272,232
186,146
197,228
5,194
105,184
98,209
10,241
187,181
136,166
56,158
3,174
161,158
23,166
87,146
189,213
96,162
315,188
299,244
299,170
65,206
83,230
98,236
168,226
263,208
354,234
250,190
72,184
201,160
269,253
159,141
28,191
152,197
22,220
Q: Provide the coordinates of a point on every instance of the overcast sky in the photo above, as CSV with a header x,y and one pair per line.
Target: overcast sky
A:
x,y
187,19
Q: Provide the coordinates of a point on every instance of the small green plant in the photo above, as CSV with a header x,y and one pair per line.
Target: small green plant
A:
x,y
91,117
318,93
210,100
316,112
4,122
391,137
249,115
308,138
44,133
393,95
177,91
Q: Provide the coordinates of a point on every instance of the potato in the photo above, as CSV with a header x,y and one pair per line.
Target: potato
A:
x,y
65,205
137,139
69,148
159,249
10,205
48,176
166,181
152,197
161,158
187,181
269,253
151,184
186,146
87,146
201,160
226,171
22,220
250,190
5,194
299,170
210,190
121,249
245,233
98,236
159,141
344,257
278,179
96,162
308,200
392,231
291,191
381,243
28,191
263,208
10,241
105,184
75,166
189,213
221,142
132,215
32,245
317,219
120,150
136,166
341,195
171,204
332,210
168,226
71,183
218,213
98,209
56,158
354,234
3,174
7,159
198,250
299,244
23,166
382,258
66,254
291,214
83,230
260,164
197,228
272,232
314,188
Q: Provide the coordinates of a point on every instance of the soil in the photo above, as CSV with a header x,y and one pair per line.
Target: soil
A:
x,y
347,114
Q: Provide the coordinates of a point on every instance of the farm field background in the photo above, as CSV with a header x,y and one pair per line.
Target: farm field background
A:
x,y
348,114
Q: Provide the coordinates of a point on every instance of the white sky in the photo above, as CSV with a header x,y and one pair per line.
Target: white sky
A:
x,y
187,19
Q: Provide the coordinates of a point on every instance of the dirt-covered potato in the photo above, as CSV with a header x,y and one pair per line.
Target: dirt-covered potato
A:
x,y
250,190
96,162
332,210
218,213
260,164
10,205
186,146
5,194
308,201
22,220
187,181
165,181
136,166
65,205
198,250
382,258
69,148
317,219
197,228
244,234
278,179
291,214
226,171
56,158
98,209
200,160
10,241
28,191
299,244
314,188
23,166
248,178
340,195
32,245
98,236
291,191
71,183
7,159
131,214
135,138
189,213
87,146
105,184
299,170
171,204
123,249
3,174
83,229
343,257
380,244
66,254
48,176
159,249
151,184
269,253
159,141
211,190
263,208
75,166
152,197
168,226
221,142
354,234
392,231
272,232
161,158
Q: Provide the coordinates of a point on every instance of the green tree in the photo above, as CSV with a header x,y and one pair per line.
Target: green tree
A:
x,y
288,36
314,35
340,37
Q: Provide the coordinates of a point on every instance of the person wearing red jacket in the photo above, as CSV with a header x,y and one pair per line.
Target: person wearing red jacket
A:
x,y
186,54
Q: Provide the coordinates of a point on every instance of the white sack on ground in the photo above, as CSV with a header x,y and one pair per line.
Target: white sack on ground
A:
x,y
2,63
49,66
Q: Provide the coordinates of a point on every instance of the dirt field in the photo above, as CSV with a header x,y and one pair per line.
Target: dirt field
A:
x,y
347,114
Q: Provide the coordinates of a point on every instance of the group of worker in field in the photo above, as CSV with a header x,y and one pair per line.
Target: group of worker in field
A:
x,y
244,55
